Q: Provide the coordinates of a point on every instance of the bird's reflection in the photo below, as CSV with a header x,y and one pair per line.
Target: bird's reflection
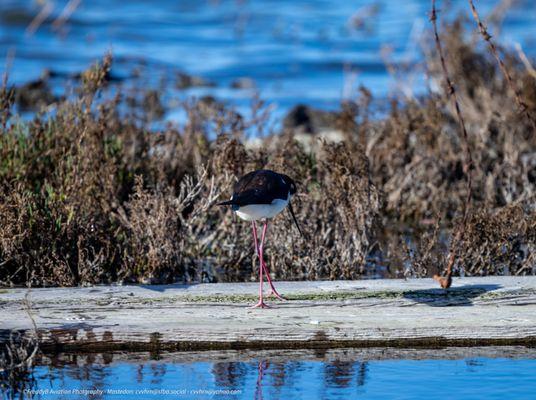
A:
x,y
230,374
260,373
337,374
268,377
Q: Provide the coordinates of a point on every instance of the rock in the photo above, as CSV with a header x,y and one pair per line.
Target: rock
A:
x,y
308,124
185,81
304,119
243,83
34,95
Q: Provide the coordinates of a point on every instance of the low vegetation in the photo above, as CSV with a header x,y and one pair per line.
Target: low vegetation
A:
x,y
92,193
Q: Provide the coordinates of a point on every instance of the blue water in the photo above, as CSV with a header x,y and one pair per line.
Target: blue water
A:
x,y
302,51
473,378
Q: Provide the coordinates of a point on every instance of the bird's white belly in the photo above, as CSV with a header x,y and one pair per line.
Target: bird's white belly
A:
x,y
254,212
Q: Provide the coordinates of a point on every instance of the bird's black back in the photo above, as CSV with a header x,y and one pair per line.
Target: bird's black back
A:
x,y
262,187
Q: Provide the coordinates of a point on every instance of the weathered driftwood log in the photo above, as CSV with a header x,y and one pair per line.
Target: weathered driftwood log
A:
x,y
393,313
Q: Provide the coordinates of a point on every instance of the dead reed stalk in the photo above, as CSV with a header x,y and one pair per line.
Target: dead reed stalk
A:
x,y
446,281
487,37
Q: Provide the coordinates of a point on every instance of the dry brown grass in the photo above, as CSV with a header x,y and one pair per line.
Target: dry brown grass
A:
x,y
90,195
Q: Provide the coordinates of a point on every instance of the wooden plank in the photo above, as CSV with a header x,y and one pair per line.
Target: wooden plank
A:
x,y
402,313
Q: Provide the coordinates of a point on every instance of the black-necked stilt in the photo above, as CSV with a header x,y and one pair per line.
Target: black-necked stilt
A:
x,y
260,195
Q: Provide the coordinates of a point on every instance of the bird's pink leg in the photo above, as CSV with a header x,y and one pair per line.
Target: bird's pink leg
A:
x,y
263,264
261,303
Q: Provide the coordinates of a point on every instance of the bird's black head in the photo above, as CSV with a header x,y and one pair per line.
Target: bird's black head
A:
x,y
290,183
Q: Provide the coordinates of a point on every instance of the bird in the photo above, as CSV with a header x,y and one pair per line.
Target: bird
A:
x,y
261,195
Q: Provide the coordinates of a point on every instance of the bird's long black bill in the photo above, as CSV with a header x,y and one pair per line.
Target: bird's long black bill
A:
x,y
294,218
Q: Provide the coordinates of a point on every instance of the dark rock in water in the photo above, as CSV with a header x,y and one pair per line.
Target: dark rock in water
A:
x,y
112,77
243,83
208,107
299,117
109,76
305,119
185,81
34,95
